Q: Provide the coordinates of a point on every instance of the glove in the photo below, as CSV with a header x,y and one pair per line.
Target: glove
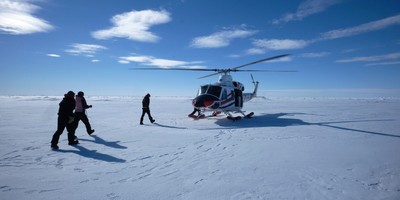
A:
x,y
89,106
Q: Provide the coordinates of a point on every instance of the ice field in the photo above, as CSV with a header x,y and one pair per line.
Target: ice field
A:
x,y
293,148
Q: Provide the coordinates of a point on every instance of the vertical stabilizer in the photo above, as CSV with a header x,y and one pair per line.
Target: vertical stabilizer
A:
x,y
249,96
255,89
255,86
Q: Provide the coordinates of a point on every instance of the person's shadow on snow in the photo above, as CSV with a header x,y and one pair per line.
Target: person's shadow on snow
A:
x,y
82,151
287,119
99,140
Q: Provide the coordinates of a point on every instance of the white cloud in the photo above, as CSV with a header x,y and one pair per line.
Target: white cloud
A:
x,y
85,49
261,46
372,58
363,28
384,63
16,17
53,55
276,44
157,62
234,56
95,60
306,8
255,51
285,44
348,50
314,55
123,60
220,39
134,25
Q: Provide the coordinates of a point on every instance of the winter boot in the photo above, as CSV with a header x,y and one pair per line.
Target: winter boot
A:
x,y
73,143
90,132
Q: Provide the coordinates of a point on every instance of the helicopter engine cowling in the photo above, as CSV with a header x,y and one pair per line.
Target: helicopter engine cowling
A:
x,y
204,101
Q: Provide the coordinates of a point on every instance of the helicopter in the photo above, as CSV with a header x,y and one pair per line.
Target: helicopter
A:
x,y
226,95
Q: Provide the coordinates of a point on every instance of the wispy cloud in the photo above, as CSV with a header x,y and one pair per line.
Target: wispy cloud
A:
x,y
16,17
280,44
384,63
255,51
260,46
53,55
158,62
306,8
134,25
85,49
385,57
221,38
363,28
348,50
315,55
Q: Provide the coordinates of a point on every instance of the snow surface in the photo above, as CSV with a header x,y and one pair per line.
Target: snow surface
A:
x,y
293,148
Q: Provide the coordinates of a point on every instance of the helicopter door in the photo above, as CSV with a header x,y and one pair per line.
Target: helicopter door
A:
x,y
238,98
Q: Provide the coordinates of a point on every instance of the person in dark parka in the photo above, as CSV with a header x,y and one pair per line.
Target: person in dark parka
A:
x,y
65,120
80,112
146,109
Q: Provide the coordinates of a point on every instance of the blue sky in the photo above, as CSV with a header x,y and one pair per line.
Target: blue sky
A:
x,y
51,46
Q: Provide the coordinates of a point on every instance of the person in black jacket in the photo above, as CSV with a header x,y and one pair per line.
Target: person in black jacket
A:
x,y
146,109
80,112
65,120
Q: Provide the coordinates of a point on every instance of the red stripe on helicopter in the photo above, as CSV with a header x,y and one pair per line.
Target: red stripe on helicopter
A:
x,y
230,98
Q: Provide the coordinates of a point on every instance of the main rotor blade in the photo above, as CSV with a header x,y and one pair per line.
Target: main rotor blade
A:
x,y
262,60
219,71
251,70
213,74
179,69
248,70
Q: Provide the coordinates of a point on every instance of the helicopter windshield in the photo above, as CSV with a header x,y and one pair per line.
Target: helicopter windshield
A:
x,y
210,89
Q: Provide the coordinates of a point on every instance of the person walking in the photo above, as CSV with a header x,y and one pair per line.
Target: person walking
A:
x,y
65,120
146,109
80,112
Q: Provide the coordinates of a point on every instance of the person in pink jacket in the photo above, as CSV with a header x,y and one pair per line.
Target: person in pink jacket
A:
x,y
80,112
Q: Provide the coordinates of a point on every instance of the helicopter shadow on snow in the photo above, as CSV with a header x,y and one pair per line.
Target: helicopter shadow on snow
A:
x,y
287,119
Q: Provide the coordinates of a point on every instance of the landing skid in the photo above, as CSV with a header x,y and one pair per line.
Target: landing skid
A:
x,y
202,115
239,117
229,116
234,118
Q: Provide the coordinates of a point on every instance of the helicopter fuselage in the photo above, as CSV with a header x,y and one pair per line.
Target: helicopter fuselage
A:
x,y
226,96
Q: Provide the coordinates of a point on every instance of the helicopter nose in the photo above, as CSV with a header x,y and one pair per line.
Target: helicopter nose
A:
x,y
204,101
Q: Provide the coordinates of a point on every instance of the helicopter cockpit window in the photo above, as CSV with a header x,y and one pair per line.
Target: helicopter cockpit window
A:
x,y
203,89
210,89
214,90
224,94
